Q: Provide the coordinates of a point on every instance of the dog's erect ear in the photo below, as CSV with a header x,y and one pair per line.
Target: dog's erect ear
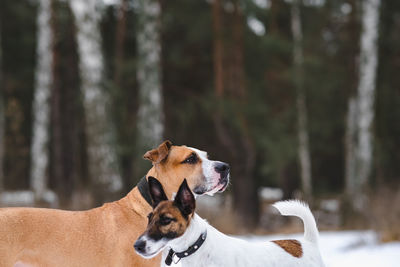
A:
x,y
185,199
156,191
160,153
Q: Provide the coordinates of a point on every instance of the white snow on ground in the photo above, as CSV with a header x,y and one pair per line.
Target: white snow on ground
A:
x,y
348,249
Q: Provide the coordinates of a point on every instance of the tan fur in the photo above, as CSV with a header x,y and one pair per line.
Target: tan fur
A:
x,y
291,246
102,236
171,167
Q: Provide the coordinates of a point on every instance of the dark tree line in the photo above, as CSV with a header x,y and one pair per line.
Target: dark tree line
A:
x,y
223,86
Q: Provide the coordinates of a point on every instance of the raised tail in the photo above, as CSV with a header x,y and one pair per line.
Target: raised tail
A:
x,y
301,210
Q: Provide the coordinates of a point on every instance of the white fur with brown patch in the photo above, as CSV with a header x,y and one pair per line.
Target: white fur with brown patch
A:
x,y
222,250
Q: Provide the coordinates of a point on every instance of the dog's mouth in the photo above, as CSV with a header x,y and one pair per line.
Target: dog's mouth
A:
x,y
147,255
223,183
224,186
218,188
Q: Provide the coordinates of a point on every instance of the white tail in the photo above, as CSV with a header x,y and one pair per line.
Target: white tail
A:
x,y
301,210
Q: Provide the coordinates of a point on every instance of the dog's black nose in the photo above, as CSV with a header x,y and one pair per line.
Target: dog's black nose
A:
x,y
222,168
140,245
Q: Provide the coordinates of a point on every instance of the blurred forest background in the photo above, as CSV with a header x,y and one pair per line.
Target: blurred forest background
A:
x,y
301,95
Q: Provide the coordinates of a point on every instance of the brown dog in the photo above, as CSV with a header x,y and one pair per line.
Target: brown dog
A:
x,y
104,236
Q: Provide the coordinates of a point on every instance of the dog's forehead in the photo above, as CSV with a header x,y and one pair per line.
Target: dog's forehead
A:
x,y
165,206
202,154
167,209
183,151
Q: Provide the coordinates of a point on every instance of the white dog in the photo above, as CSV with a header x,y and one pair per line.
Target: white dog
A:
x,y
193,242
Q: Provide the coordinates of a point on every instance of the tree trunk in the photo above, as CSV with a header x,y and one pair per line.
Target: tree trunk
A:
x,y
125,100
2,120
302,131
119,43
274,16
236,140
103,164
63,169
41,110
246,199
350,144
218,48
56,141
150,121
361,110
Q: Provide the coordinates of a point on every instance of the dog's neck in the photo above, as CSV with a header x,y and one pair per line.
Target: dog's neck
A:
x,y
208,254
136,202
217,250
197,226
134,199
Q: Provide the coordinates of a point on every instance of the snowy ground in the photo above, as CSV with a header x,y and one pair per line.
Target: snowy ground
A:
x,y
349,249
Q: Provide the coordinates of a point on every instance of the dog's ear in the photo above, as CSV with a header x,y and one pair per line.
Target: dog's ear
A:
x,y
185,200
156,191
160,153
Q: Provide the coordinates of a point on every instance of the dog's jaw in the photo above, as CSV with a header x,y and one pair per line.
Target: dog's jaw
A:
x,y
152,247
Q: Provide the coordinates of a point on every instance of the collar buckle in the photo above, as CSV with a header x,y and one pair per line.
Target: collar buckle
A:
x,y
176,259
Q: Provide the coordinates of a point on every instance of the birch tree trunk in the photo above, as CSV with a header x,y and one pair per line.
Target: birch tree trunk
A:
x,y
150,114
41,110
350,145
303,149
103,165
362,118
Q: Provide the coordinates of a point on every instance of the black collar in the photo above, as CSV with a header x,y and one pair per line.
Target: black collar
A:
x,y
143,187
192,249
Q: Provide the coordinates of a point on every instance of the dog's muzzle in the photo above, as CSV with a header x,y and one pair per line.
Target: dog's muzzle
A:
x,y
224,170
221,168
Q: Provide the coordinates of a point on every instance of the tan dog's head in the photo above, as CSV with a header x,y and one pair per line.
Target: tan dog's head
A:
x,y
168,220
171,164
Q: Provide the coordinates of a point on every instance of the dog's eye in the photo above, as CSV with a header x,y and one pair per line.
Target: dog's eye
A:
x,y
165,220
192,159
